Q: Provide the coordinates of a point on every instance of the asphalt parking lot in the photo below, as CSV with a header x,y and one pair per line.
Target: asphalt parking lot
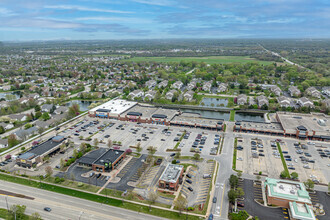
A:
x,y
314,167
257,156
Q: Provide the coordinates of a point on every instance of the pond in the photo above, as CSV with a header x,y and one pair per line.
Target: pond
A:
x,y
210,114
247,116
82,104
11,95
214,102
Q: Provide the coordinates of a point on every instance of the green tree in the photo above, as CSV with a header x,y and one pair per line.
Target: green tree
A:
x,y
49,170
284,174
197,156
35,216
27,126
2,130
12,140
309,184
37,108
96,142
74,110
177,155
45,116
240,192
294,175
38,114
180,203
152,150
232,195
233,181
138,147
17,212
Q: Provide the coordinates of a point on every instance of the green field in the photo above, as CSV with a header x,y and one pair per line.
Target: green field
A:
x,y
208,60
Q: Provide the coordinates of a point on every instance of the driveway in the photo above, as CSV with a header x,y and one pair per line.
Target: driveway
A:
x,y
254,208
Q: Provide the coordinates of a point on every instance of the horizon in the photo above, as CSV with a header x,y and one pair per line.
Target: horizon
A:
x,y
163,19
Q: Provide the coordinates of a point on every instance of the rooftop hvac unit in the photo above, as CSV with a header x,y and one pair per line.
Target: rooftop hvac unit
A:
x,y
101,161
116,152
292,191
281,187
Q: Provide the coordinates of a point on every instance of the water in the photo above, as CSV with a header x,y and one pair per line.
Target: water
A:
x,y
82,104
214,102
210,114
3,95
245,116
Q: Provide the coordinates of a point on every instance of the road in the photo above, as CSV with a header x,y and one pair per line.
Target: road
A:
x,y
64,207
283,58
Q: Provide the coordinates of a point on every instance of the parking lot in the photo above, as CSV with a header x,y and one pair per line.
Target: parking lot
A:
x,y
306,160
256,155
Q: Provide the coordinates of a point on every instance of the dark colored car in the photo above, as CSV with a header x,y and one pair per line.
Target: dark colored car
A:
x,y
190,189
189,181
162,139
188,175
159,161
172,155
47,209
106,136
240,204
261,155
214,199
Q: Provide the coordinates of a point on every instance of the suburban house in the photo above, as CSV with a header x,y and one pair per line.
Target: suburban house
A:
x,y
163,84
6,88
207,86
305,102
222,87
151,83
276,90
284,101
6,126
169,94
3,143
189,95
241,99
136,94
150,94
262,100
42,124
33,96
327,103
61,110
311,91
22,134
191,85
47,107
20,117
294,91
326,91
177,85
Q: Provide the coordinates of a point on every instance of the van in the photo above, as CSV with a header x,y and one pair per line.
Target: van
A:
x,y
205,176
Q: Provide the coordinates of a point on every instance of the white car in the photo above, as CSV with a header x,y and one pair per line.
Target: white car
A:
x,y
306,166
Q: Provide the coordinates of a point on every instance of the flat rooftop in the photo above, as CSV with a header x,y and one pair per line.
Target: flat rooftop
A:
x,y
116,106
99,155
262,126
172,173
146,111
290,121
191,118
285,189
301,211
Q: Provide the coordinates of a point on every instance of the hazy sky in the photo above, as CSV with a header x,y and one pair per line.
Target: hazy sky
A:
x,y
139,19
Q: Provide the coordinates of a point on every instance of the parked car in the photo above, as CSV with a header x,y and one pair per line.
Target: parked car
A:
x,y
190,189
188,181
47,209
240,204
188,175
214,199
159,161
172,155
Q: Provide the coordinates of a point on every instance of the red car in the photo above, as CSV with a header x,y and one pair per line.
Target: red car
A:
x,y
240,204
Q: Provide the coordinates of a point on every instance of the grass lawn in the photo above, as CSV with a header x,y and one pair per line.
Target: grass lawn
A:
x,y
282,158
235,154
232,115
93,197
208,59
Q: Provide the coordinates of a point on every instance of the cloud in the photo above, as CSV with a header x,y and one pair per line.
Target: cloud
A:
x,y
115,19
6,12
155,2
82,8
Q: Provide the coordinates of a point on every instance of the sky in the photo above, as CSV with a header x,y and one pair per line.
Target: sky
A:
x,y
28,20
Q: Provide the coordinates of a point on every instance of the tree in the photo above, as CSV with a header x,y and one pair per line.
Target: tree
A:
x,y
109,144
180,203
152,197
62,163
12,140
138,147
45,116
37,108
27,126
178,155
38,114
232,195
82,147
284,174
96,142
17,212
197,156
152,150
240,192
258,177
74,110
233,180
35,216
49,170
329,188
294,175
309,184
2,130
